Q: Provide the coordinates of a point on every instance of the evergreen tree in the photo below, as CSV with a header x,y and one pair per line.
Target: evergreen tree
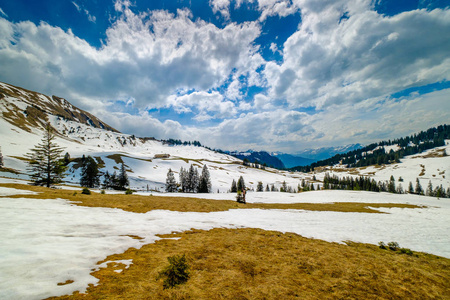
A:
x,y
267,188
430,189
391,185
66,158
240,184
171,183
45,162
283,187
90,176
260,187
1,158
205,181
410,188
107,184
418,190
122,180
233,187
183,180
192,180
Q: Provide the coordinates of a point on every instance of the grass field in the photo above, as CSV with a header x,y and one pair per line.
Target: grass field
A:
x,y
258,264
143,204
254,263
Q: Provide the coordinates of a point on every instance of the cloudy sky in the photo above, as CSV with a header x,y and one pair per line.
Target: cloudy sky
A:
x,y
276,75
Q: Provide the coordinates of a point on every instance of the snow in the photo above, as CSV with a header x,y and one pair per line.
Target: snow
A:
x,y
44,242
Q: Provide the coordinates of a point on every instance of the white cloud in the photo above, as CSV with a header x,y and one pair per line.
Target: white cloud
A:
x,y
91,18
221,6
329,60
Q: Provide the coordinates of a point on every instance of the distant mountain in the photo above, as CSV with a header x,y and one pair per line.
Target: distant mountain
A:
x,y
326,152
290,161
261,157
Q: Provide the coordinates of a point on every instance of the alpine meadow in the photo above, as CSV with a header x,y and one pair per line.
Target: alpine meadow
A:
x,y
224,149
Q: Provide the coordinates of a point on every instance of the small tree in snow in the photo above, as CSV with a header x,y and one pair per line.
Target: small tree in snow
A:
x,y
205,181
233,187
260,187
171,183
90,176
1,158
122,180
45,161
418,190
240,184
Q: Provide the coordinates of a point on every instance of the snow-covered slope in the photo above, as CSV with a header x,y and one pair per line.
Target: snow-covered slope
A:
x,y
21,132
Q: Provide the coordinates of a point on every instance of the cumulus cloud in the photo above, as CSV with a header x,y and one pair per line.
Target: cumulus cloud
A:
x,y
330,60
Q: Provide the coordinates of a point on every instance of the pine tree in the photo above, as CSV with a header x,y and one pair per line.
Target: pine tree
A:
x,y
205,181
283,187
410,188
45,161
90,176
267,188
391,185
418,190
107,184
192,180
233,187
1,158
122,179
183,180
66,158
260,187
240,184
171,184
430,189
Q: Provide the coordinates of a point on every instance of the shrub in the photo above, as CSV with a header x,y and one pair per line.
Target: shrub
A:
x,y
177,272
406,251
382,245
102,192
393,246
86,191
128,192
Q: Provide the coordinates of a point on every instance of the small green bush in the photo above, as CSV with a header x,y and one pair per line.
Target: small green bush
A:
x,y
406,251
177,272
102,192
86,191
128,192
382,245
393,246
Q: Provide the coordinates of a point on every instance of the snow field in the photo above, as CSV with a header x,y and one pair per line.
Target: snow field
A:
x,y
45,242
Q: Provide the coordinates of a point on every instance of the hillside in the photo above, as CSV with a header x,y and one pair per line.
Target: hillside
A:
x,y
25,113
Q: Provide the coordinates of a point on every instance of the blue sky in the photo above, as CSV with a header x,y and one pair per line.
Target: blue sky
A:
x,y
276,75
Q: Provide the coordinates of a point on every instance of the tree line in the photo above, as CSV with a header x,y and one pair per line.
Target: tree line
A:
x,y
190,181
366,156
362,183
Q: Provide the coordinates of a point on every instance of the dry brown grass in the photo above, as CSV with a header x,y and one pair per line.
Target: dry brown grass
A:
x,y
143,204
258,264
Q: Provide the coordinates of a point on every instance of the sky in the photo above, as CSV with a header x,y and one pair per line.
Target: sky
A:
x,y
274,75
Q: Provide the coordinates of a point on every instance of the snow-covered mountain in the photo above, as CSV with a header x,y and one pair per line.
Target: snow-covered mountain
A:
x,y
326,152
24,114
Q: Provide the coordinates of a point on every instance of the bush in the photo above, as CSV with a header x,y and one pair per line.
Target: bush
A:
x,y
86,191
102,192
382,245
177,272
393,246
128,192
406,251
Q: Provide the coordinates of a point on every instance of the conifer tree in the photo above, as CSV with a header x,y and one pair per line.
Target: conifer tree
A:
x,y
66,158
171,184
267,188
240,184
260,187
418,190
430,189
107,184
410,188
233,187
183,180
90,176
283,187
205,181
1,158
391,185
45,161
122,179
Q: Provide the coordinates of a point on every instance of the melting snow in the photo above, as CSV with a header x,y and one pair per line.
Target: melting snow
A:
x,y
45,242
